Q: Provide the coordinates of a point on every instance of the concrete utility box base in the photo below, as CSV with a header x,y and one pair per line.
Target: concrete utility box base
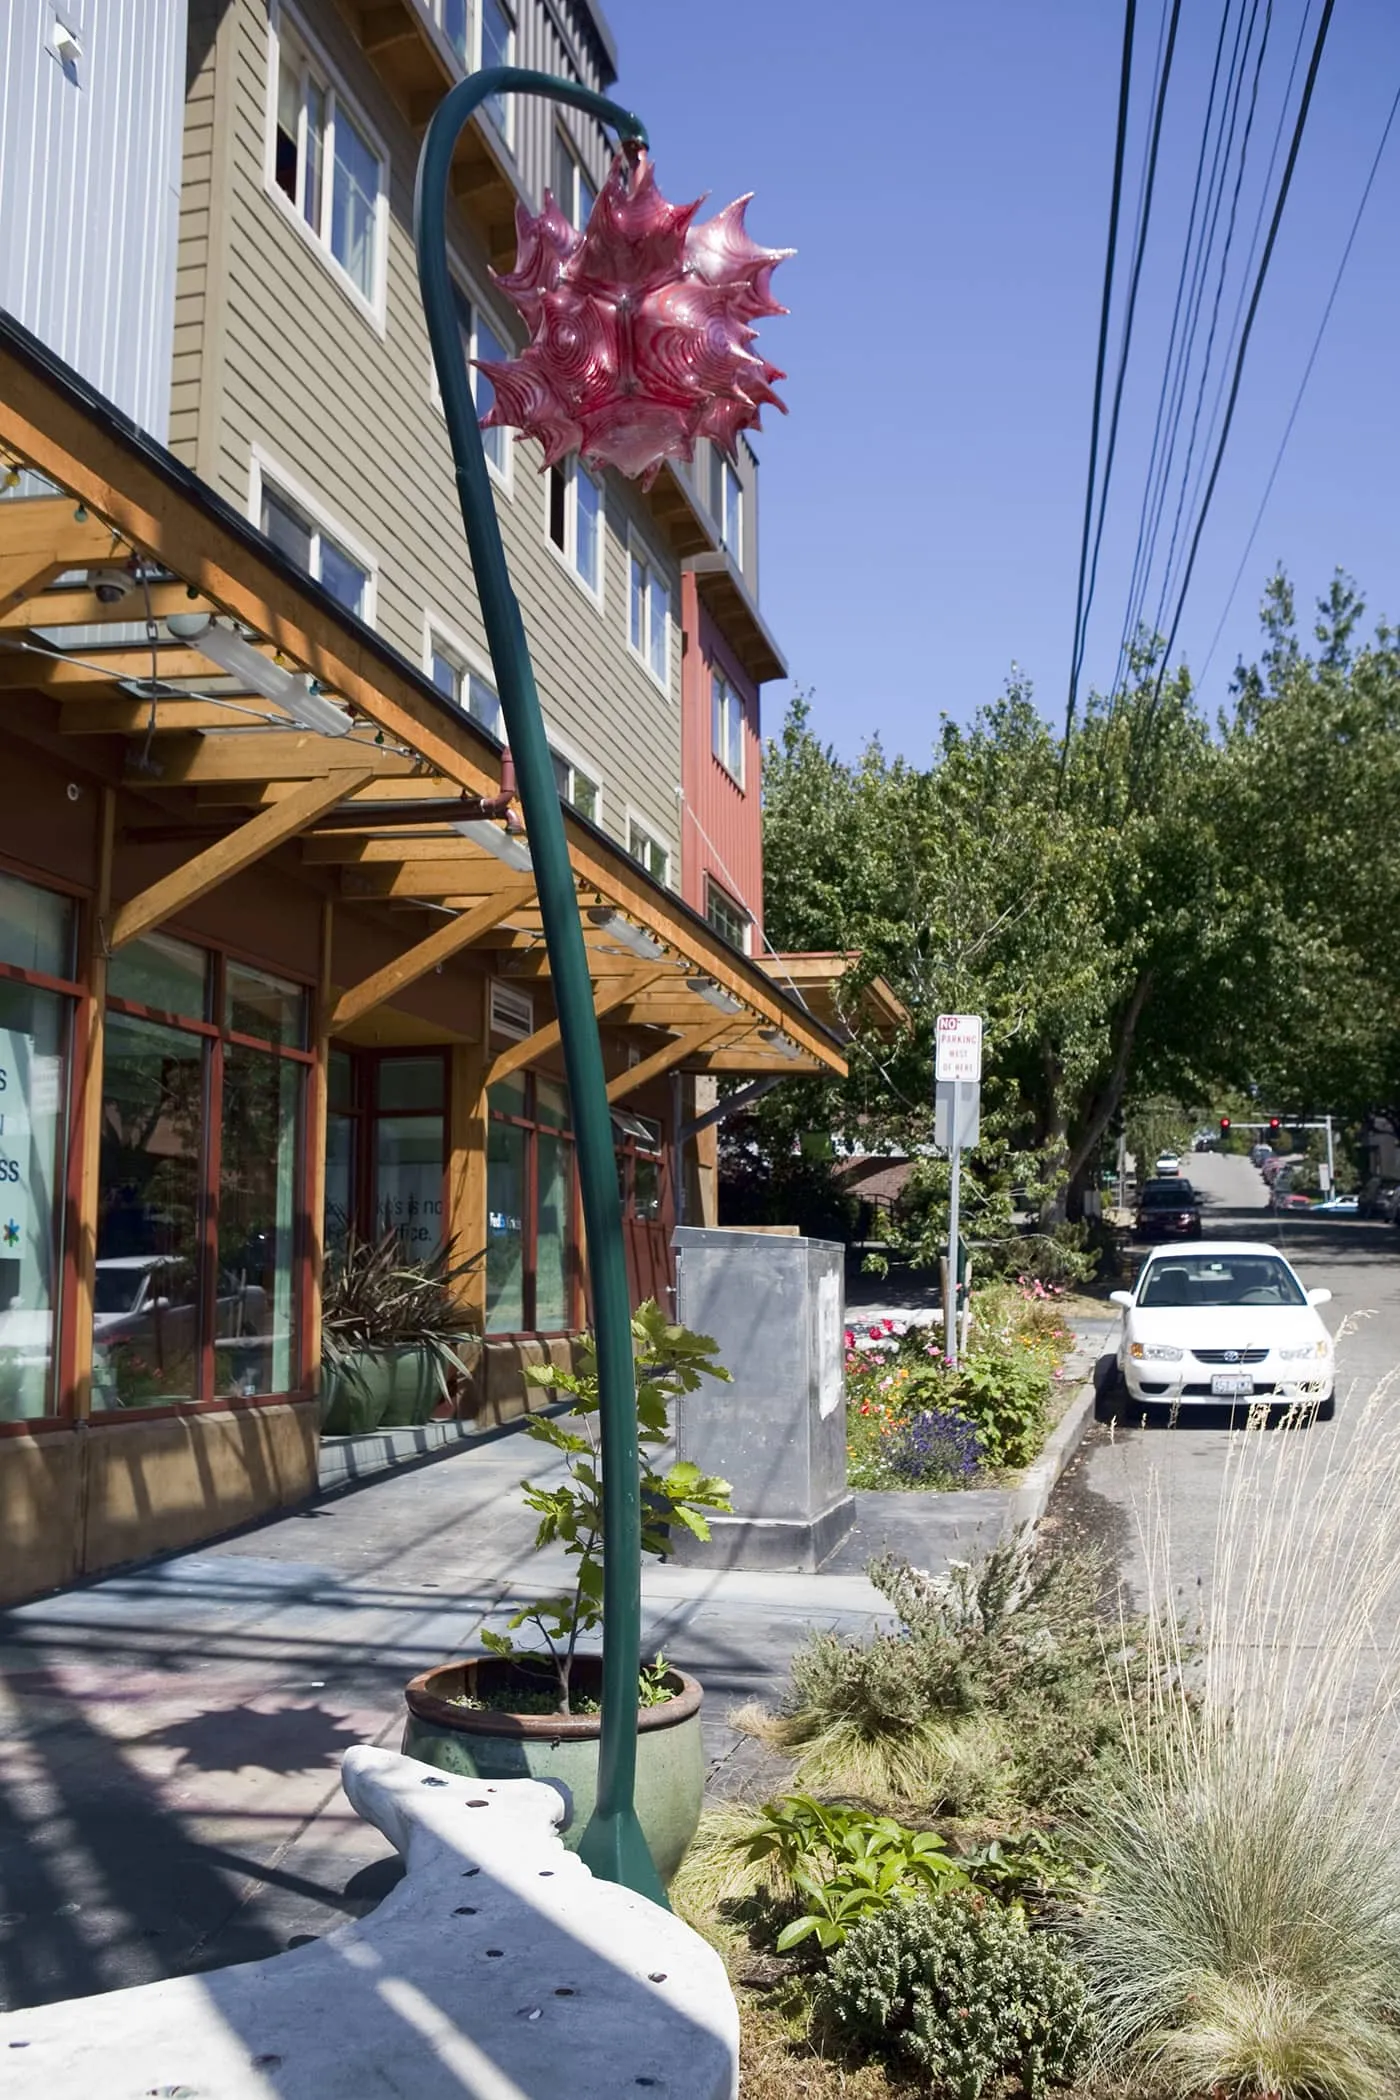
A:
x,y
776,1307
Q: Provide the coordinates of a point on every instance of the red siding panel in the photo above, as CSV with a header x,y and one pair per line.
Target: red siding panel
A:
x,y
721,823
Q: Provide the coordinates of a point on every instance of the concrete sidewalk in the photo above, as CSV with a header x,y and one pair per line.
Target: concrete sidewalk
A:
x,y
170,1737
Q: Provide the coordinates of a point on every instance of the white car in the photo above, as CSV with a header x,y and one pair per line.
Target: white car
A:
x,y
1168,1163
1225,1320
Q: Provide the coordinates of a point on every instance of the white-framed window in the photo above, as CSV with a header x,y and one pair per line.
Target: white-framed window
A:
x,y
645,847
453,18
727,727
574,521
578,784
729,919
495,46
480,339
573,187
325,166
727,503
649,613
456,670
289,516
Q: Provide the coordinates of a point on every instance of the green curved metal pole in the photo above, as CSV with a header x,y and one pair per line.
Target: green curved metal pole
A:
x,y
613,1844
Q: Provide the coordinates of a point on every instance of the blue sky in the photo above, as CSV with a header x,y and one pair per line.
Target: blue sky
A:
x,y
948,196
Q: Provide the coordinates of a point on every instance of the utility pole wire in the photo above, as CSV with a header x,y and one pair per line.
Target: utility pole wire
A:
x,y
1303,382
1124,88
1275,222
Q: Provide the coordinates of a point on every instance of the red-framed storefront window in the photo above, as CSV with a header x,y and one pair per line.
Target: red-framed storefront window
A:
x,y
532,1267
39,995
386,1146
201,1273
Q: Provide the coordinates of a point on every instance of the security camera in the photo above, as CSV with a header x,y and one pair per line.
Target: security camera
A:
x,y
110,586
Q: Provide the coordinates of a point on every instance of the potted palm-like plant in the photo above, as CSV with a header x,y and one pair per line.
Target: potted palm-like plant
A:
x,y
393,1334
531,1709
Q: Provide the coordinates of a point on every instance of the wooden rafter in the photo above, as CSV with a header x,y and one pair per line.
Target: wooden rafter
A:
x,y
272,754
40,537
662,1060
74,607
605,996
99,669
422,787
128,716
415,962
237,850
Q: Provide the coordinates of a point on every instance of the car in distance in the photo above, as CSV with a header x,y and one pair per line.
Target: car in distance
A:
x,y
1168,1163
1345,1206
1225,1321
1168,1209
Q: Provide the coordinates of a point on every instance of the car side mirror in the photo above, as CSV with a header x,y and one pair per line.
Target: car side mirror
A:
x,y
1319,1297
1125,1297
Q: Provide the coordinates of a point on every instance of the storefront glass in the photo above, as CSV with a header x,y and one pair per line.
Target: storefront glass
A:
x,y
34,1028
407,1154
553,1188
147,1315
505,1209
254,1337
530,1207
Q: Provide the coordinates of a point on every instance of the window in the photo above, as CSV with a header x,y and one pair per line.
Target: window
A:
x,y
727,727
325,166
36,941
576,787
475,695
295,533
576,521
574,192
452,19
649,851
200,1162
385,1147
531,1247
730,920
497,40
480,340
727,503
640,1159
649,616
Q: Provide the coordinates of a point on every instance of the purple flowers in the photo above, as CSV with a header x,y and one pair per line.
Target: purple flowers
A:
x,y
934,1446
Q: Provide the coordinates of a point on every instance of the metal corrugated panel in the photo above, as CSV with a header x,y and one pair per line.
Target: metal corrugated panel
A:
x,y
90,188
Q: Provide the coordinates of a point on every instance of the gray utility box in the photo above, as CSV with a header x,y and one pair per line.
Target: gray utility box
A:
x,y
776,1306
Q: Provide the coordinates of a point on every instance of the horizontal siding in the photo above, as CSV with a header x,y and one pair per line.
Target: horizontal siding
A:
x,y
197,206
348,414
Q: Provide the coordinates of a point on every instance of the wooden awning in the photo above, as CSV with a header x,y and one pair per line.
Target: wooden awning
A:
x,y
819,976
403,812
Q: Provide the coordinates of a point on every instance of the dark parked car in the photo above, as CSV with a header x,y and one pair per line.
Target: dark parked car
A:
x,y
1378,1197
1168,1209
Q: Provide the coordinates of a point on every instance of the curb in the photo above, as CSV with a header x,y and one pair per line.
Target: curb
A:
x,y
1031,1499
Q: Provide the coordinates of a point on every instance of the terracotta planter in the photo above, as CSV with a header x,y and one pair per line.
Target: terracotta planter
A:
x,y
482,1743
379,1389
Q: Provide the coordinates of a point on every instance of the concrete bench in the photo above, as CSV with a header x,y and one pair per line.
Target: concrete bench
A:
x,y
497,1969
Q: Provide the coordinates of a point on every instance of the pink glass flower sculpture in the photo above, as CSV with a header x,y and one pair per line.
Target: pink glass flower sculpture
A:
x,y
639,328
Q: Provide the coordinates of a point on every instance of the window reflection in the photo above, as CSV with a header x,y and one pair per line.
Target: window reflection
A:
x,y
33,1096
254,1331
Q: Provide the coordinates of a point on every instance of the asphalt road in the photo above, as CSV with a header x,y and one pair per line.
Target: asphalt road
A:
x,y
1127,1471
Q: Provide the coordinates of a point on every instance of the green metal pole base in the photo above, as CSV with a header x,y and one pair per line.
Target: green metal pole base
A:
x,y
614,1849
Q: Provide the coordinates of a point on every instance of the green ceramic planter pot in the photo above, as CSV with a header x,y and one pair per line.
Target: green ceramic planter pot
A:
x,y
379,1389
479,1743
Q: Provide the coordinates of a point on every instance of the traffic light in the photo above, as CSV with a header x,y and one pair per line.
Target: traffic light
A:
x,y
1275,1126
1224,1126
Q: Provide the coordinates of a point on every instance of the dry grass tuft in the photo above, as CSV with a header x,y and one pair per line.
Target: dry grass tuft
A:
x,y
1247,1936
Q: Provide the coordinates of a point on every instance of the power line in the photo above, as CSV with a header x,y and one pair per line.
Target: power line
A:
x,y
1295,143
1120,143
1303,383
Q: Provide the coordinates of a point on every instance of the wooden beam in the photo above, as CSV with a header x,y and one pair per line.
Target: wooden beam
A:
x,y
100,668
320,1091
466,1159
605,997
679,1047
239,849
425,787
93,1012
378,848
272,754
439,879
127,716
73,607
415,962
762,1063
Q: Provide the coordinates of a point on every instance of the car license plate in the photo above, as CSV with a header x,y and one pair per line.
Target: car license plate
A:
x,y
1229,1384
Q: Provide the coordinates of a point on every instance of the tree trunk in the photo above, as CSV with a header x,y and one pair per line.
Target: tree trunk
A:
x,y
1103,1101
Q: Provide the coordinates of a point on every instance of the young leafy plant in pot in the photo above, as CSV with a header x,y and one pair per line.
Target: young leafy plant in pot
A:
x,y
531,1709
393,1334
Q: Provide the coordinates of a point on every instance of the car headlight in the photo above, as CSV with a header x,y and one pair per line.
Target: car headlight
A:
x,y
1155,1352
1316,1349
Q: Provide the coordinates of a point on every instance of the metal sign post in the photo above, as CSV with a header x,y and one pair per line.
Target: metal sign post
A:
x,y
957,1076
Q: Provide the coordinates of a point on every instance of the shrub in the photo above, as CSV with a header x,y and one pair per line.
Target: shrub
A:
x,y
993,1693
936,1449
1003,1393
961,1989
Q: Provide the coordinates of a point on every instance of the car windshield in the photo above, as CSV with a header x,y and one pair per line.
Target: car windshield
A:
x,y
1171,1194
1220,1279
117,1290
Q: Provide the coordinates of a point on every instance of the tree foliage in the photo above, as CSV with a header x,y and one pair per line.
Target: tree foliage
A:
x,y
1159,909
